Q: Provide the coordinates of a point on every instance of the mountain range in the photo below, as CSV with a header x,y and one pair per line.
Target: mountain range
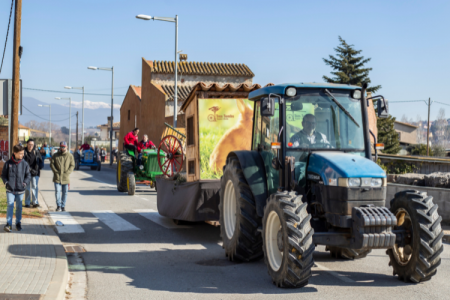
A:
x,y
95,113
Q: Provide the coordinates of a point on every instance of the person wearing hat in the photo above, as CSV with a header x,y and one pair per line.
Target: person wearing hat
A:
x,y
62,164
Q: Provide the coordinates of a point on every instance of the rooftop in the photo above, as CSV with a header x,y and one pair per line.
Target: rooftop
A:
x,y
182,91
137,90
201,68
406,124
115,125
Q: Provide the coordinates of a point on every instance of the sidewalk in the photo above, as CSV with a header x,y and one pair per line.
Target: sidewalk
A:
x,y
33,264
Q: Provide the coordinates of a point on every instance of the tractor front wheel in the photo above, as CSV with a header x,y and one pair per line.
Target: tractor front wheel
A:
x,y
287,238
131,183
417,257
238,218
124,165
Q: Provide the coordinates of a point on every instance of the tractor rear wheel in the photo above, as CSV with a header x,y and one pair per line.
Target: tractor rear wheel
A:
x,y
131,183
346,253
238,218
287,239
124,165
418,256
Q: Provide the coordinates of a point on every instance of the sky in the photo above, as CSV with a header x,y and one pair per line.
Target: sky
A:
x,y
281,41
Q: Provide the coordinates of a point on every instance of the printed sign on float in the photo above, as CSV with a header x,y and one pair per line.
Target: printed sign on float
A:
x,y
225,125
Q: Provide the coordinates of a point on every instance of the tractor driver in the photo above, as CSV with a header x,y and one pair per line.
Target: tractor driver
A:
x,y
308,135
130,142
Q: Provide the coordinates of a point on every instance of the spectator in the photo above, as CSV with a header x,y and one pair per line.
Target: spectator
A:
x,y
62,165
36,163
103,154
15,176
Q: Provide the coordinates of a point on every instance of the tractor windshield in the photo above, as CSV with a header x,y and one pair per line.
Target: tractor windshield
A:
x,y
316,121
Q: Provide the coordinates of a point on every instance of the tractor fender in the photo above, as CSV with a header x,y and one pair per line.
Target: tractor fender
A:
x,y
254,171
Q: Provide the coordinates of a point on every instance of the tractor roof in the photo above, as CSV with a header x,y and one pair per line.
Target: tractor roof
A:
x,y
281,88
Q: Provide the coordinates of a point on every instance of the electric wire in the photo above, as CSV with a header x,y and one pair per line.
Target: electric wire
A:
x,y
66,92
45,118
7,32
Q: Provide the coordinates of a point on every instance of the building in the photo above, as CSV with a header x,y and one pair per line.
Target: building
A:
x,y
24,133
407,134
105,129
150,105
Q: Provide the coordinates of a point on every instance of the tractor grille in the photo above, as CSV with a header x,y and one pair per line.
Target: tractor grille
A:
x,y
153,164
89,156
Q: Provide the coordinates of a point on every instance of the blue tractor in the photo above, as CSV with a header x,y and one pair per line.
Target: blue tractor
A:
x,y
46,152
87,158
309,179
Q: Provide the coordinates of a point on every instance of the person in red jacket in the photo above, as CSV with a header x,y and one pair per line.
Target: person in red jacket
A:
x,y
130,141
145,144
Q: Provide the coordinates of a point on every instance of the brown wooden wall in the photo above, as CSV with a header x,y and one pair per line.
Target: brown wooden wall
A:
x,y
193,151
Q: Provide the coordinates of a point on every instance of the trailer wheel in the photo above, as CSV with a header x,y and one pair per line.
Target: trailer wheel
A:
x,y
418,256
131,183
287,239
347,253
124,165
239,222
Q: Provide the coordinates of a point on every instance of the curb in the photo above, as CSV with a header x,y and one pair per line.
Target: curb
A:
x,y
57,287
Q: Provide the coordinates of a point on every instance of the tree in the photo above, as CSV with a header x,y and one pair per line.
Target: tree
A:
x,y
348,67
387,135
421,150
65,130
438,150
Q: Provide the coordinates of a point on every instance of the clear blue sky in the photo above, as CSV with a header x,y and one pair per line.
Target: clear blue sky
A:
x,y
281,41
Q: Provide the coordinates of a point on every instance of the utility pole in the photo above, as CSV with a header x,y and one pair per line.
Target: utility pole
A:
x,y
16,77
76,147
428,128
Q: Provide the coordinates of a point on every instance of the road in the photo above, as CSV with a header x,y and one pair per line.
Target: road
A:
x,y
133,253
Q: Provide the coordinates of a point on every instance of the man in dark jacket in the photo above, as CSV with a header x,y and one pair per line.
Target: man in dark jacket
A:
x,y
34,160
16,176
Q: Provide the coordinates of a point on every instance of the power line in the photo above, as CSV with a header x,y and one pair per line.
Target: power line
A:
x,y
407,101
44,118
65,92
7,32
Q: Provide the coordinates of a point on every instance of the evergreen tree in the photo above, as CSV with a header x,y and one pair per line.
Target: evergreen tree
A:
x,y
348,67
387,135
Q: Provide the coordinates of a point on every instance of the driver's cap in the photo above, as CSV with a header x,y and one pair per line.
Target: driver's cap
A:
x,y
63,144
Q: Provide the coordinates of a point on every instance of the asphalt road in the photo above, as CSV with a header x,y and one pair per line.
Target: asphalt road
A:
x,y
132,253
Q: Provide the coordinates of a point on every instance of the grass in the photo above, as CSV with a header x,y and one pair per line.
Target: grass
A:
x,y
31,212
208,140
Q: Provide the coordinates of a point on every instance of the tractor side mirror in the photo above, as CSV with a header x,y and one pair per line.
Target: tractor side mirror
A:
x,y
267,107
383,110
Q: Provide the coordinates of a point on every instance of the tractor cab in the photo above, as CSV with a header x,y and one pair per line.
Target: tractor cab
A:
x,y
309,179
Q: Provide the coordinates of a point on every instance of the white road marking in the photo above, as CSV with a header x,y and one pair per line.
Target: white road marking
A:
x,y
155,217
70,224
144,199
335,274
113,221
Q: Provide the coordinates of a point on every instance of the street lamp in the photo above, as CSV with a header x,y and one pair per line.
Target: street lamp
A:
x,y
50,123
112,107
70,119
82,110
173,20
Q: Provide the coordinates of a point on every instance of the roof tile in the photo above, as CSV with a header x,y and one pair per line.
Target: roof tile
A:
x,y
201,68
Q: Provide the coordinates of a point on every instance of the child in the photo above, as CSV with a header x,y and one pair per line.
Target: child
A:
x,y
16,176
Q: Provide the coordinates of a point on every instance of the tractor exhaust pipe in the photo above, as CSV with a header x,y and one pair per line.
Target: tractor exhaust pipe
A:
x,y
365,115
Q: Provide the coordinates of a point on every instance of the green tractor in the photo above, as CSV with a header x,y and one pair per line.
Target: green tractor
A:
x,y
309,179
129,173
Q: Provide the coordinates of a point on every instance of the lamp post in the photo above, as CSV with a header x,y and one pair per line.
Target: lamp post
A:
x,y
70,119
49,123
82,110
173,20
112,108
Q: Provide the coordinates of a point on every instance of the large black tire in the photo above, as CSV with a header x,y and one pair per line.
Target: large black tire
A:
x,y
243,241
290,260
417,213
93,168
346,253
124,165
131,183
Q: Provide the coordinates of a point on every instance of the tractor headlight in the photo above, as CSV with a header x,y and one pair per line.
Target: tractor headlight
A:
x,y
141,167
356,94
291,91
354,182
376,182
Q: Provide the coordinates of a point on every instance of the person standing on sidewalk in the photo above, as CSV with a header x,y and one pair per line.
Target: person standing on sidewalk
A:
x,y
16,176
62,165
34,160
